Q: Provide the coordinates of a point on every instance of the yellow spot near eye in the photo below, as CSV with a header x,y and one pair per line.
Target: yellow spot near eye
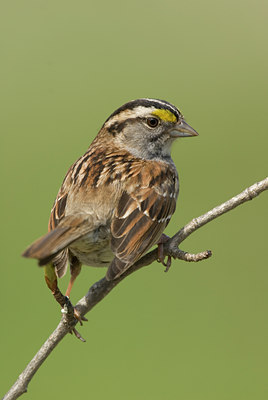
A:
x,y
165,115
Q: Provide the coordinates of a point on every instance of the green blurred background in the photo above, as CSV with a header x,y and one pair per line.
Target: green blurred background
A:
x,y
200,331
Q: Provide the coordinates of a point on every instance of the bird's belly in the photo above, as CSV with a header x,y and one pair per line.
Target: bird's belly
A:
x,y
94,248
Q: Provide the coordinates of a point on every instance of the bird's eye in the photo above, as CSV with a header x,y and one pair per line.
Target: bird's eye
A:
x,y
152,122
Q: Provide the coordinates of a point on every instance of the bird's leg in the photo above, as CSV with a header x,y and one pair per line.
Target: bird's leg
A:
x,y
66,305
52,283
161,258
75,268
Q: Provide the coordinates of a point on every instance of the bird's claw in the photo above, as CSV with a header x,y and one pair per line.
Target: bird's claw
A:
x,y
77,334
161,258
72,315
168,264
78,316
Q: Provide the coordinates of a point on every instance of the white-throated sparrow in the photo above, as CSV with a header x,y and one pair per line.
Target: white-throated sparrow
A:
x,y
117,199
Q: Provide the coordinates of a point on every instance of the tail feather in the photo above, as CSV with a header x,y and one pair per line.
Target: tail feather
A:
x,y
48,246
60,262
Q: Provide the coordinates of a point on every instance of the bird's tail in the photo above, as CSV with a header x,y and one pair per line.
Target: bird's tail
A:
x,y
48,246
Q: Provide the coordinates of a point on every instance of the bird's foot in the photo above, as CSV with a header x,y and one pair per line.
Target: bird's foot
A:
x,y
78,316
161,258
72,315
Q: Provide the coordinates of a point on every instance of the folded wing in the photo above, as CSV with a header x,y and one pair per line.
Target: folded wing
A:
x,y
138,223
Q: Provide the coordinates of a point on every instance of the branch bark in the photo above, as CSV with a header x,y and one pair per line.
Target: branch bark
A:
x,y
103,287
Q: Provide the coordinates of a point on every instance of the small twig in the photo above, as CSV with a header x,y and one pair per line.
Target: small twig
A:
x,y
248,194
103,287
185,256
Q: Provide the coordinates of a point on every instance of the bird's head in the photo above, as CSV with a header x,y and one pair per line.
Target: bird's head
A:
x,y
147,127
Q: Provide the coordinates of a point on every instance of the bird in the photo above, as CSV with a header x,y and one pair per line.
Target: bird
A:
x,y
116,199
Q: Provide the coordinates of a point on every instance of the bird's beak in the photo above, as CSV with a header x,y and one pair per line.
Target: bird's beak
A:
x,y
182,129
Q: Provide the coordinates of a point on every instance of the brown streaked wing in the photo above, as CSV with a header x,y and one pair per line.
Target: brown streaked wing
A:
x,y
136,226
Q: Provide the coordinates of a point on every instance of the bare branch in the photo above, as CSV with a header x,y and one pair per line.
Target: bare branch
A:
x,y
103,287
248,194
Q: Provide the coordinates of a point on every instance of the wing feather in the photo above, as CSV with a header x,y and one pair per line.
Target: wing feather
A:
x,y
138,224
